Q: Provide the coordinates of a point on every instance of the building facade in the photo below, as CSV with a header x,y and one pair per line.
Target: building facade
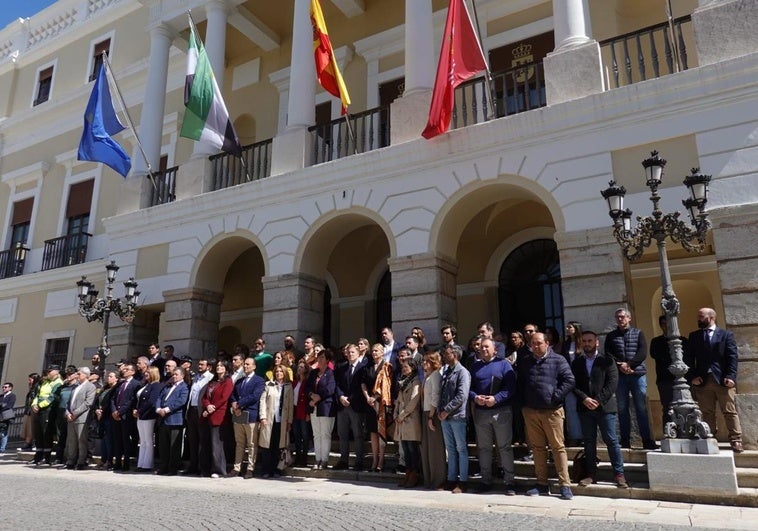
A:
x,y
336,232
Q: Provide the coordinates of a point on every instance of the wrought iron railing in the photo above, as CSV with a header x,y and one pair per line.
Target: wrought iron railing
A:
x,y
228,170
368,130
647,53
12,261
14,429
511,91
163,189
65,251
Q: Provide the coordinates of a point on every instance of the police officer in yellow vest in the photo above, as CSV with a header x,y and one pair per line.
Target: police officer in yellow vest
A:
x,y
44,415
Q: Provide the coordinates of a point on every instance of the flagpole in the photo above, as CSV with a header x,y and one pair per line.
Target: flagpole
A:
x,y
351,132
487,74
129,122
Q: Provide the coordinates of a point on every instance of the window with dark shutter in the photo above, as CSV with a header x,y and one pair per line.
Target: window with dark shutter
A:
x,y
44,83
97,59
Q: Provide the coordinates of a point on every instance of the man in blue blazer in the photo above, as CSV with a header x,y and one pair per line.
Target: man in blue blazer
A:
x,y
170,409
711,353
246,399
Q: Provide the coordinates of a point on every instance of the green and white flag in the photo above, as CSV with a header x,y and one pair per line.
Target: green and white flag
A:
x,y
206,118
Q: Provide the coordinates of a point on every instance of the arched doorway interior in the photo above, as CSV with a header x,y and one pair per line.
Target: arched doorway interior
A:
x,y
529,287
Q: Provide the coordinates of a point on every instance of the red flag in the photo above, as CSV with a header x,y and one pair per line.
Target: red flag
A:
x,y
327,71
461,57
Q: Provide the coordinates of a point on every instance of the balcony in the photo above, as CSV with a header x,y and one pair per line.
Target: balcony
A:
x,y
65,251
511,91
350,135
647,53
163,189
12,261
228,170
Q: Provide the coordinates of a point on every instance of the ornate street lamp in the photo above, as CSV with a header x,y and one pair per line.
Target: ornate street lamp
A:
x,y
99,309
684,419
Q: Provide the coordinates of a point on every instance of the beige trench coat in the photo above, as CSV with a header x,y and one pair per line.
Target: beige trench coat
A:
x,y
269,402
408,410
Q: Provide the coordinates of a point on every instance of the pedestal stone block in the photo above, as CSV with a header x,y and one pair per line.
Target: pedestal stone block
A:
x,y
690,446
290,151
409,115
692,473
725,29
573,73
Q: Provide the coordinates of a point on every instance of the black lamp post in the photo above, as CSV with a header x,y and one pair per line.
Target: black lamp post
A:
x,y
684,419
99,309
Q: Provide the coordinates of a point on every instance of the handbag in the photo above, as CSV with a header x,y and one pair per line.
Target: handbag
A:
x,y
285,459
579,467
7,414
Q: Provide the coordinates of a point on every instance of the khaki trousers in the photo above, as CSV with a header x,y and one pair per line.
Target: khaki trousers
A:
x,y
245,438
544,427
711,392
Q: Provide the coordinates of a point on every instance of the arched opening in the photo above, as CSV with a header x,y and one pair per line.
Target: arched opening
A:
x,y
384,302
529,287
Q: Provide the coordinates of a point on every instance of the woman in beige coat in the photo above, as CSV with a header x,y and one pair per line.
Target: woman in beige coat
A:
x,y
408,421
276,412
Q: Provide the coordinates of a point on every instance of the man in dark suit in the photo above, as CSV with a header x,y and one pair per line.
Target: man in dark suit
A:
x,y
7,402
596,379
124,424
351,407
77,412
711,354
170,409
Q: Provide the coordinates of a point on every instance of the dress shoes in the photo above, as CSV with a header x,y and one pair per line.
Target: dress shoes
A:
x,y
340,466
736,446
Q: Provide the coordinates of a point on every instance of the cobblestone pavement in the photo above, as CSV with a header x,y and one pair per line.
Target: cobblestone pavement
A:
x,y
39,498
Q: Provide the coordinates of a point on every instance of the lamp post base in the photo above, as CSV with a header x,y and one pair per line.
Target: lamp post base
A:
x,y
690,446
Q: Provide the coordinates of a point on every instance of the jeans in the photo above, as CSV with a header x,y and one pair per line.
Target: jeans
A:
x,y
637,386
4,427
591,421
573,424
454,432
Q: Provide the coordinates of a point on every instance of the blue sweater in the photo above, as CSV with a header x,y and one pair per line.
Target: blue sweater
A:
x,y
495,378
544,383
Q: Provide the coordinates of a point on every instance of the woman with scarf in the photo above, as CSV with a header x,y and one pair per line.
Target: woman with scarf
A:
x,y
377,388
276,420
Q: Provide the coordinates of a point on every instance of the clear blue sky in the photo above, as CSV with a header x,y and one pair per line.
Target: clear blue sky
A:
x,y
10,10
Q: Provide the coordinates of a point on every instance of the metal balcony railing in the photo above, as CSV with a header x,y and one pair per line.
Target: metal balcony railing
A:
x,y
515,90
647,53
12,261
164,190
229,170
65,251
368,130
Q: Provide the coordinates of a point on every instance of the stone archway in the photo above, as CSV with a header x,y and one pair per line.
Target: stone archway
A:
x,y
225,292
478,229
344,250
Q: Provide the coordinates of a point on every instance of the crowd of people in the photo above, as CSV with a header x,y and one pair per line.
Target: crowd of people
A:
x,y
253,413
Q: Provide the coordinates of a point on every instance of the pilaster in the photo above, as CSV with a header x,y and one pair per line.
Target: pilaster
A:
x,y
292,304
191,318
423,294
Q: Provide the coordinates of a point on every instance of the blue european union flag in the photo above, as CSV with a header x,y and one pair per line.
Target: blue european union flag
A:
x,y
100,122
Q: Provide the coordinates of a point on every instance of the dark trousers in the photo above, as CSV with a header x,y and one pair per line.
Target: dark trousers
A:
x,y
301,431
270,457
44,431
412,454
170,445
212,455
123,447
227,436
666,392
106,443
349,420
193,440
606,422
61,425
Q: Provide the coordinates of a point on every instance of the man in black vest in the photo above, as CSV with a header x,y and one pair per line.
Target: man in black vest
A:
x,y
628,347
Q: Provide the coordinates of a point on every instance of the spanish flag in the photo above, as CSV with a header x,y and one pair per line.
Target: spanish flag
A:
x,y
327,71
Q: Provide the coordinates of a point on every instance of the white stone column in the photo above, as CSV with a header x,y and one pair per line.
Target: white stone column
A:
x,y
410,113
574,69
154,103
291,149
571,28
301,110
215,38
215,47
419,46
